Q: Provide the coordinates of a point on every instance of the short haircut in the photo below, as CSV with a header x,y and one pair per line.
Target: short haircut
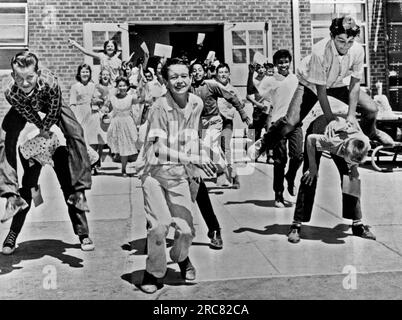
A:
x,y
25,59
345,24
198,62
359,149
114,43
108,71
222,65
80,67
124,79
282,53
173,61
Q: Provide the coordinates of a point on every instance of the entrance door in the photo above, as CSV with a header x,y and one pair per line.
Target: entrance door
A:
x,y
242,41
95,34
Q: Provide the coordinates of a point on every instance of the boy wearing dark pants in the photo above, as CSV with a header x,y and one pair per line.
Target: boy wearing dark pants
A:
x,y
295,141
31,92
280,88
32,169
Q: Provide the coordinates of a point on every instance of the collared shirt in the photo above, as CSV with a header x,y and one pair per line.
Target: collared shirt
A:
x,y
336,144
280,90
226,108
179,128
45,97
209,91
326,67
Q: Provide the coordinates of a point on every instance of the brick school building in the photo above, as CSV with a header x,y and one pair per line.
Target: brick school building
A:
x,y
234,29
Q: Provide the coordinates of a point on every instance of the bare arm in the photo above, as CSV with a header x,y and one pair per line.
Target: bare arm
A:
x,y
312,172
324,103
354,90
84,50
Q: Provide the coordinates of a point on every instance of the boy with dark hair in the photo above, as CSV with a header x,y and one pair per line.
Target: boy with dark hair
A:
x,y
31,92
209,91
280,88
227,112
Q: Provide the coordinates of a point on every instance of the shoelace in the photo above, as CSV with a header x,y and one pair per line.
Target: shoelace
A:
x,y
11,237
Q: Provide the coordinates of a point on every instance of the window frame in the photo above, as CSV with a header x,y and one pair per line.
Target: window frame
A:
x,y
22,45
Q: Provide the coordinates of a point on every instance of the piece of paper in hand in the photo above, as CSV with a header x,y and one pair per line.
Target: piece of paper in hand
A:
x,y
37,196
351,186
259,58
200,38
163,50
144,47
211,55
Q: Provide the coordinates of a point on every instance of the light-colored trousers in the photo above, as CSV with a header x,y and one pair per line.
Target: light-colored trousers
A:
x,y
211,138
167,203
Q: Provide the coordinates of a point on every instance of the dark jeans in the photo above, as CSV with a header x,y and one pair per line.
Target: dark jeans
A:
x,y
305,198
30,178
78,164
259,122
205,205
295,141
306,99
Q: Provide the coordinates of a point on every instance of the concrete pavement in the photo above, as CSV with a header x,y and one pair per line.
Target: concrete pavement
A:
x,y
257,261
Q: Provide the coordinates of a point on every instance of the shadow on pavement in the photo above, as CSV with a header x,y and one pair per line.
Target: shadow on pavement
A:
x,y
260,203
172,278
326,235
37,249
140,246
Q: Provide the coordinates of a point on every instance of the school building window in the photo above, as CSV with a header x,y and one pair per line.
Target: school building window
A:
x,y
13,30
323,11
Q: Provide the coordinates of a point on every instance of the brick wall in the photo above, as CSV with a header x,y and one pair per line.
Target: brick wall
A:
x,y
49,40
378,59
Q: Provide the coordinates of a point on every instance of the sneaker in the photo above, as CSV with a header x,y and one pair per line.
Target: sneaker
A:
x,y
279,201
236,182
13,205
291,187
149,283
78,200
216,240
294,234
9,243
187,269
363,231
87,244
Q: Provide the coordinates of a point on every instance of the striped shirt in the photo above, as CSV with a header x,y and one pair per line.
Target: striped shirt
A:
x,y
326,67
46,97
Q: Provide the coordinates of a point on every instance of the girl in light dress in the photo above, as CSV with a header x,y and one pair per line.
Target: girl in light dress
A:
x,y
109,58
122,133
87,113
